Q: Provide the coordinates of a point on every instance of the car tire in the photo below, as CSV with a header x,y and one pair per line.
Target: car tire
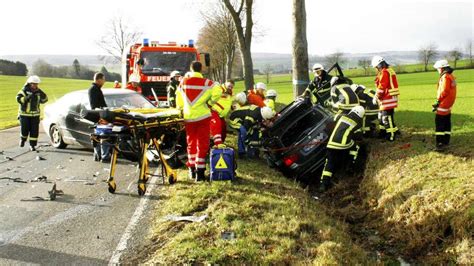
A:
x,y
56,137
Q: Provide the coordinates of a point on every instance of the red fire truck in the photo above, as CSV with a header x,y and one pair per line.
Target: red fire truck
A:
x,y
153,63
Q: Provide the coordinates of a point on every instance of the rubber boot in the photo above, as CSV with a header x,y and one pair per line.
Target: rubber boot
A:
x,y
200,175
325,185
22,143
192,173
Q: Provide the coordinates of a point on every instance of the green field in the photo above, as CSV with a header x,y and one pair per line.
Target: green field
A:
x,y
53,87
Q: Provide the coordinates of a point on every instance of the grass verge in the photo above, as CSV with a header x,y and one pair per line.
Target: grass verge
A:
x,y
275,221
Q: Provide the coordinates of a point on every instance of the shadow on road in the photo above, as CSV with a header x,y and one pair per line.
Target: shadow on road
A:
x,y
26,254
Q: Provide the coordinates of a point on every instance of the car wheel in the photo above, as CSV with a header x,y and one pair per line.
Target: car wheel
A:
x,y
57,137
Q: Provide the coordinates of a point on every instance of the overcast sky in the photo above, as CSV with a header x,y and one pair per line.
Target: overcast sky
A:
x,y
71,27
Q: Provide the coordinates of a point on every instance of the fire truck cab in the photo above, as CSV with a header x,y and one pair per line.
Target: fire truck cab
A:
x,y
153,63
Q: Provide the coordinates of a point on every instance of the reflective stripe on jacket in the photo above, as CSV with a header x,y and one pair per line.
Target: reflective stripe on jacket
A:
x,y
343,98
446,93
223,105
195,95
255,99
342,135
387,89
30,101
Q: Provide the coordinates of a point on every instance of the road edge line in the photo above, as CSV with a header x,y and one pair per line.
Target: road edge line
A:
x,y
137,215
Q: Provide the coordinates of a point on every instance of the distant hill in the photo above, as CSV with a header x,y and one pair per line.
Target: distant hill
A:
x,y
93,61
279,62
283,61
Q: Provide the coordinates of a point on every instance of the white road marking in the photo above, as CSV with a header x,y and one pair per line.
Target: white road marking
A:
x,y
122,245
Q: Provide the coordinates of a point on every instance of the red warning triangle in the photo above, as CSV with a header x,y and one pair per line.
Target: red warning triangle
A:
x,y
192,94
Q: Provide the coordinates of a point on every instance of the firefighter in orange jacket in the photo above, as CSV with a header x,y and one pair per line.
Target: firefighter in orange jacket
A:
x,y
134,83
386,96
195,95
219,112
444,102
257,95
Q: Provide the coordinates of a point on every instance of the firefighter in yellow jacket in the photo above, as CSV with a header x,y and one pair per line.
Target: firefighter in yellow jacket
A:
x,y
219,112
30,97
341,144
195,95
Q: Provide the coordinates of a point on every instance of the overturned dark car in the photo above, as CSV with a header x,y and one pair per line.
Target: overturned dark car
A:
x,y
296,142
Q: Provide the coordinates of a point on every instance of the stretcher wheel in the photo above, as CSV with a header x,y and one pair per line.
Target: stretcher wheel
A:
x,y
171,179
112,186
141,189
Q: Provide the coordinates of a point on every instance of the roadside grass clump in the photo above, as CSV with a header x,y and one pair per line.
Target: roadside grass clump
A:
x,y
273,220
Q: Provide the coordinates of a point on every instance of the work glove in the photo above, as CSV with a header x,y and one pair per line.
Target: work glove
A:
x,y
375,101
435,106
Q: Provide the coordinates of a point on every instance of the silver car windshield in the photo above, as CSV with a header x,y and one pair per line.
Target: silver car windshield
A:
x,y
128,101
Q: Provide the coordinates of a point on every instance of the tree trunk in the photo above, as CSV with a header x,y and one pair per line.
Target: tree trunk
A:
x,y
300,49
244,37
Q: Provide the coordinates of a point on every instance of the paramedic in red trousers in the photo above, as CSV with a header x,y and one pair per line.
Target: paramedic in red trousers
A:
x,y
219,112
257,95
386,97
30,97
444,102
195,95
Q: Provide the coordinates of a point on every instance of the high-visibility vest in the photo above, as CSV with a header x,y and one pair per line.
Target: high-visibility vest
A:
x,y
446,93
387,89
255,99
195,95
342,135
270,103
223,105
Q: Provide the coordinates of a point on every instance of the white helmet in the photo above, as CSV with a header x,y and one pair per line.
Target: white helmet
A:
x,y
134,78
356,87
334,80
175,73
241,98
376,60
271,93
261,85
318,66
359,111
267,113
33,79
116,82
441,63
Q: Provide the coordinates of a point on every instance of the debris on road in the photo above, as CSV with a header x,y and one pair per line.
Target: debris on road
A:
x,y
89,183
14,179
35,198
40,179
39,158
178,218
53,193
59,167
8,158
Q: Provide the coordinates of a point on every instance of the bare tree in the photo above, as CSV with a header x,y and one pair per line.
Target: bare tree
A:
x,y
300,49
118,36
427,53
365,65
469,52
455,55
267,71
336,57
219,35
244,34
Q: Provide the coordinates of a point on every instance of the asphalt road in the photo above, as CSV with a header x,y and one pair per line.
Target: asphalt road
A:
x,y
86,225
